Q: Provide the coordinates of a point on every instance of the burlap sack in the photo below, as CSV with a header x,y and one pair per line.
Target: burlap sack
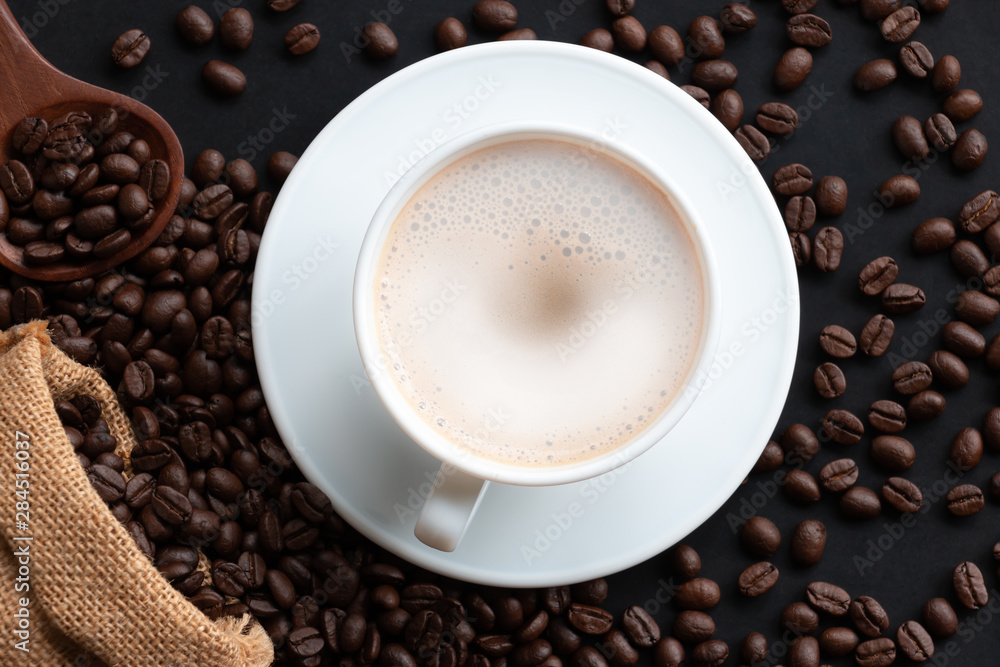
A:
x,y
93,597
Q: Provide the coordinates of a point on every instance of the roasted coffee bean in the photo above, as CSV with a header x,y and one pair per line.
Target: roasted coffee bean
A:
x,y
798,6
450,34
171,505
877,335
770,459
17,183
969,259
901,298
970,588
892,453
800,213
666,45
876,10
758,579
963,340
948,369
879,652
236,29
130,48
804,652
801,487
925,406
914,642
965,500
899,190
799,443
494,15
801,248
916,59
829,380
939,618
933,6
877,275
908,135
693,627
887,416
602,40
969,150
706,38
281,5
828,249
831,196
590,620
903,495
753,648
381,40
828,598
980,212
195,26
962,105
809,30
629,35
947,74
860,503
760,536
875,75
753,142
685,562
900,25
838,642
842,427
728,108
800,619
223,78
714,75
699,94
109,483
868,616
792,69
305,642
777,118
737,18
586,656
991,429
838,475
712,653
912,377
29,135
808,542
137,381
620,7
698,594
977,309
792,179
940,132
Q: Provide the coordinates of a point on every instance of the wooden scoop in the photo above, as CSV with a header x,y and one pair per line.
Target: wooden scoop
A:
x,y
33,87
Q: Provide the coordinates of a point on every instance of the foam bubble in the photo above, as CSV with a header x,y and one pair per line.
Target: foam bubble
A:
x,y
540,303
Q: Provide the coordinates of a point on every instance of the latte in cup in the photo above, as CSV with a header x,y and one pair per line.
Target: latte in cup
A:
x,y
539,302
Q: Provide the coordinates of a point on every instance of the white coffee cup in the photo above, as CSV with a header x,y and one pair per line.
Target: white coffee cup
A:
x,y
464,476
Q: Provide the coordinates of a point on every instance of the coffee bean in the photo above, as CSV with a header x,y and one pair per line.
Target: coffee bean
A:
x,y
908,135
799,443
450,34
934,235
925,406
171,505
842,427
948,369
758,579
108,483
875,652
737,18
799,619
831,196
236,29
876,10
901,298
838,642
969,151
801,487
381,40
685,562
860,503
963,340
792,69
965,500
195,26
798,6
792,179
916,59
588,656
962,105
877,275
698,594
933,6
899,190
800,213
16,182
991,429
666,45
875,75
706,38
588,619
947,74
760,536
753,142
699,94
939,618
29,135
903,495
728,108
829,380
977,309
753,648
912,377
828,598
130,48
714,75
893,453
868,616
281,5
828,249
641,628
808,542
900,25
494,15
969,259
887,416
838,475
620,7
809,30
223,78
305,642
940,132
712,653
693,627
804,652
980,212
777,118
970,588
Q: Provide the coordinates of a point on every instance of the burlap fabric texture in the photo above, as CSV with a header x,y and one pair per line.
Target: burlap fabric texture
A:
x,y
93,597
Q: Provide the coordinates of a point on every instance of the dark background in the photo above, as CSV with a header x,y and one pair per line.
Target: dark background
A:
x,y
848,135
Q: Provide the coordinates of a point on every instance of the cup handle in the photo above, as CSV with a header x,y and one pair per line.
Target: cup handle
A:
x,y
449,508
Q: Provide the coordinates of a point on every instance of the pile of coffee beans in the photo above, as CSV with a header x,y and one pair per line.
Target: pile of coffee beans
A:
x,y
78,188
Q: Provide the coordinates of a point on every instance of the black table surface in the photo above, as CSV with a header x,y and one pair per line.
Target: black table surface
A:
x,y
846,133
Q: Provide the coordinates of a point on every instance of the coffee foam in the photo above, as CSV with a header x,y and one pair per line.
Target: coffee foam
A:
x,y
538,303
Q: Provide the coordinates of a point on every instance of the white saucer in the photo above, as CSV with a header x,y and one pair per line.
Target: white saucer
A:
x,y
336,428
